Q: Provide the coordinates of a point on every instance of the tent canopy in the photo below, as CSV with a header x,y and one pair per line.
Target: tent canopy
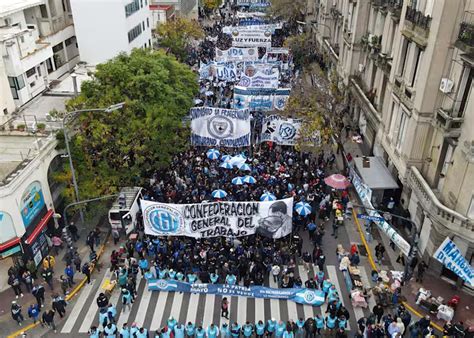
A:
x,y
375,174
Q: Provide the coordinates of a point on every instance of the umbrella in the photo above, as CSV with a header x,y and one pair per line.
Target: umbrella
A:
x,y
197,101
219,193
249,179
226,158
337,181
236,160
213,154
238,180
267,197
303,208
209,93
244,167
226,165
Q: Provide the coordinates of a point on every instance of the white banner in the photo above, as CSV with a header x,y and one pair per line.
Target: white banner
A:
x,y
271,27
219,127
450,256
252,39
259,80
280,130
229,219
260,99
250,14
226,71
237,54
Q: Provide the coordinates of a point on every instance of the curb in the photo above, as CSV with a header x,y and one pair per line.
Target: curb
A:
x,y
372,264
68,296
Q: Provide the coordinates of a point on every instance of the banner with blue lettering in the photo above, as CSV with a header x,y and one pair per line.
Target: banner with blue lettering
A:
x,y
219,127
271,219
226,71
301,295
261,99
452,258
280,130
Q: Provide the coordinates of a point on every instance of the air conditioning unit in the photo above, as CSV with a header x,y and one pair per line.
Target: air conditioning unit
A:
x,y
361,67
446,85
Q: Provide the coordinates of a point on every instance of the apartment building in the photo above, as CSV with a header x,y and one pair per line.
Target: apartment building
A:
x,y
105,28
408,66
38,45
185,8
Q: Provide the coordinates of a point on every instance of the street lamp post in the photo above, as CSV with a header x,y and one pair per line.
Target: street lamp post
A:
x,y
414,237
66,140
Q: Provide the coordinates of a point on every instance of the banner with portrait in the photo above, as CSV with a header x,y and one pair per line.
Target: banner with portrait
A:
x,y
251,38
271,219
261,99
281,130
219,127
225,71
260,80
298,295
237,54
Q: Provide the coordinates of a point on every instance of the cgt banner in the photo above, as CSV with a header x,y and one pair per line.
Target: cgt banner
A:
x,y
260,80
451,257
220,127
300,296
251,38
229,219
280,130
236,54
260,99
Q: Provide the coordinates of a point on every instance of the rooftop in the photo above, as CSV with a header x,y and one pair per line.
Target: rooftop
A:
x,y
17,151
8,7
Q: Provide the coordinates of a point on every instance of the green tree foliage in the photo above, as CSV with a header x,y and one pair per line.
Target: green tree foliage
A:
x,y
289,10
124,147
211,5
303,47
177,35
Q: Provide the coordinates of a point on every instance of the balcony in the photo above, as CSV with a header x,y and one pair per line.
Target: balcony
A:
x,y
383,61
417,18
465,40
456,223
416,27
450,125
366,98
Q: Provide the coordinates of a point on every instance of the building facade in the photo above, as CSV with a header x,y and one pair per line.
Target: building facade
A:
x,y
408,66
105,28
185,8
38,45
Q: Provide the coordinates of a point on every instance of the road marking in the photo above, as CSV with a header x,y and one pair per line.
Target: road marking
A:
x,y
143,307
193,307
159,308
89,318
126,313
177,303
260,309
332,272
76,310
242,310
366,281
308,309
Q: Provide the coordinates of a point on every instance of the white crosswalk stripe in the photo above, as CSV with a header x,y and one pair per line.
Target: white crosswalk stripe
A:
x,y
151,307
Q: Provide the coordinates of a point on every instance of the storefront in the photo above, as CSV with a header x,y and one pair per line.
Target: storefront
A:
x,y
35,243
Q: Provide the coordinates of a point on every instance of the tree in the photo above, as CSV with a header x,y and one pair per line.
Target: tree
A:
x,y
177,35
125,147
289,10
211,5
302,47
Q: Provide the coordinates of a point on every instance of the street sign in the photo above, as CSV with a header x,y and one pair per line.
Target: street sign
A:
x,y
371,218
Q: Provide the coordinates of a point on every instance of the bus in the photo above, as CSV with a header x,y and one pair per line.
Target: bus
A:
x,y
123,213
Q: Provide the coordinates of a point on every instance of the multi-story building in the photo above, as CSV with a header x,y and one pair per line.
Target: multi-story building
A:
x,y
105,28
38,45
186,8
409,66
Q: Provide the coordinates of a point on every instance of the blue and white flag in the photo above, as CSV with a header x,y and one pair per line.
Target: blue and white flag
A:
x,y
452,258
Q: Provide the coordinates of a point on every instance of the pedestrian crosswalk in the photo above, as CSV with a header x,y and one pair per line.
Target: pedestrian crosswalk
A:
x,y
152,309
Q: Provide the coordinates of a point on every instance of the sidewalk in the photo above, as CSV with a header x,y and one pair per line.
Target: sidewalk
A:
x,y
437,285
7,296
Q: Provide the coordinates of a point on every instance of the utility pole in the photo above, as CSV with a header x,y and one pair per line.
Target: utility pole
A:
x,y
85,202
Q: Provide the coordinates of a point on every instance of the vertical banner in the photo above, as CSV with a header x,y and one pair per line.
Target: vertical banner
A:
x,y
219,127
280,130
228,219
260,99
450,256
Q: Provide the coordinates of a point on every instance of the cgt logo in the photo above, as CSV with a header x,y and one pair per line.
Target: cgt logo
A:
x,y
287,131
309,296
164,219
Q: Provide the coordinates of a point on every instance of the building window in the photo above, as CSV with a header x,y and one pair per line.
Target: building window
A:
x,y
403,57
49,66
393,118
148,22
465,86
134,32
132,7
16,83
30,72
44,11
141,3
402,126
58,47
143,25
417,61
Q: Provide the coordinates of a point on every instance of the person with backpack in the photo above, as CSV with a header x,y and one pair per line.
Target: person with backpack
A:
x,y
59,305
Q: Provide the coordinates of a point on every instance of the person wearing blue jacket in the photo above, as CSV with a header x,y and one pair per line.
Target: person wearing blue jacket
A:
x,y
163,274
171,323
179,331
326,286
214,278
225,331
124,331
260,329
331,323
190,330
212,331
142,333
235,330
200,332
94,332
103,317
342,322
180,276
143,265
300,327
110,330
230,279
134,330
288,333
247,329
280,329
271,326
319,323
166,332
172,274
192,278
33,312
112,312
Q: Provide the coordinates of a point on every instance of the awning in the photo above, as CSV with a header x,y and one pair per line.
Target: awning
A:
x,y
374,173
39,227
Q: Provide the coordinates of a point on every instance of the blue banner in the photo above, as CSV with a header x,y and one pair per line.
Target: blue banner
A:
x,y
298,295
